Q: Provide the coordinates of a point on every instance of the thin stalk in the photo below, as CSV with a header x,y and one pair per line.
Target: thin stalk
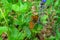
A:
x,y
3,16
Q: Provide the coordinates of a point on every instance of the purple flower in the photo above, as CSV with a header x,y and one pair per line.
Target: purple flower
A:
x,y
43,0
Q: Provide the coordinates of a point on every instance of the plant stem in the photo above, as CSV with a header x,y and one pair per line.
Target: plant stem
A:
x,y
3,16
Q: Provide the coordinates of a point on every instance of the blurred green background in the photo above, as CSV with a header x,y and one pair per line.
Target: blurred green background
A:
x,y
15,16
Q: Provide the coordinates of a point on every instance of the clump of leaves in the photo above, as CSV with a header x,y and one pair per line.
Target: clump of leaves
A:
x,y
15,16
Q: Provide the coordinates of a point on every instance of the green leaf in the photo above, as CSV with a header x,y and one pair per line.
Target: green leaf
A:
x,y
52,38
49,2
13,33
3,29
39,27
24,7
35,39
12,1
1,38
43,19
15,7
56,3
57,11
21,35
27,31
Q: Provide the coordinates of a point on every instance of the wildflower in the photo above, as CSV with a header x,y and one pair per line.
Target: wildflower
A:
x,y
44,1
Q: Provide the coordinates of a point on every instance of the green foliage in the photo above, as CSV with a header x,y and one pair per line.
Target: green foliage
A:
x,y
15,16
3,29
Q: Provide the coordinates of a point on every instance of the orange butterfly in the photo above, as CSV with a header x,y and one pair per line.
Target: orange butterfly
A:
x,y
33,21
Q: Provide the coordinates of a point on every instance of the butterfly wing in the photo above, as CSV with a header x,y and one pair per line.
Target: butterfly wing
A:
x,y
31,24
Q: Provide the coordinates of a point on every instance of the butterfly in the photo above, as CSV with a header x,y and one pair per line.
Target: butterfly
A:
x,y
33,21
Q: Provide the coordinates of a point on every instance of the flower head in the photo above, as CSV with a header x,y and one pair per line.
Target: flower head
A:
x,y
43,0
